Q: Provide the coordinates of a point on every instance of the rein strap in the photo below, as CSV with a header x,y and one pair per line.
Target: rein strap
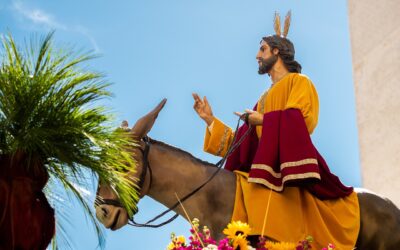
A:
x,y
219,166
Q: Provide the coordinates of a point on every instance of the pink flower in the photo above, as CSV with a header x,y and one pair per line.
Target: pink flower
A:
x,y
224,245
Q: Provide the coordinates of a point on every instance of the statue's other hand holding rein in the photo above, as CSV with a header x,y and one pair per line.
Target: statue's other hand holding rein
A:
x,y
251,117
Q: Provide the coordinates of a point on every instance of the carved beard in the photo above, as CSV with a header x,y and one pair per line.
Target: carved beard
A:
x,y
267,64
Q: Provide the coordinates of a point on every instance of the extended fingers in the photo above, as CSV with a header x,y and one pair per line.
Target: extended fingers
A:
x,y
205,100
249,111
198,103
250,117
196,97
243,116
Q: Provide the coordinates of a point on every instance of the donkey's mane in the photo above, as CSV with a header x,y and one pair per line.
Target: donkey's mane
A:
x,y
183,152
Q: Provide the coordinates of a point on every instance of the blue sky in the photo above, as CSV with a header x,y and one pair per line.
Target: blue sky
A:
x,y
156,49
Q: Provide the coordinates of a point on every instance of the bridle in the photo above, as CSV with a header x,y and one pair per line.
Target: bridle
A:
x,y
147,167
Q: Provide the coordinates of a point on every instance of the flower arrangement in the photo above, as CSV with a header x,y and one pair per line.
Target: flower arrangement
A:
x,y
236,239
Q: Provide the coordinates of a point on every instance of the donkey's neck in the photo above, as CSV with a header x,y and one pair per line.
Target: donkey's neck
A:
x,y
176,171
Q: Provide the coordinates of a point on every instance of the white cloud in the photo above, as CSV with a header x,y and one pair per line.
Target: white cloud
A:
x,y
40,18
82,30
36,16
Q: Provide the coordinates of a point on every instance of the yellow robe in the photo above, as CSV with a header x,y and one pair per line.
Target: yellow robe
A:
x,y
292,91
293,213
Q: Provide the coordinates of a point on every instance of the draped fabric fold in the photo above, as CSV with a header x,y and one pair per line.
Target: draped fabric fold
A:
x,y
284,156
26,218
295,213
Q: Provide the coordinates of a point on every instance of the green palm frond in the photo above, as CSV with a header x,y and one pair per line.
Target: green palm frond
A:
x,y
49,111
63,210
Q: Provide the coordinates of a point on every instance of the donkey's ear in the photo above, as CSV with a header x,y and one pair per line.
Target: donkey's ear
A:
x,y
144,124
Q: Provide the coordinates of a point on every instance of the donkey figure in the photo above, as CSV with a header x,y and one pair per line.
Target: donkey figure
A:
x,y
213,204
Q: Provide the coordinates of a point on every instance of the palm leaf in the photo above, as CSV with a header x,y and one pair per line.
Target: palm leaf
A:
x,y
49,110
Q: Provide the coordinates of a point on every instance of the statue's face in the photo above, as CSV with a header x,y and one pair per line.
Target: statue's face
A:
x,y
266,58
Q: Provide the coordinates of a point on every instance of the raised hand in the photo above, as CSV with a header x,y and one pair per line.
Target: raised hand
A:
x,y
203,109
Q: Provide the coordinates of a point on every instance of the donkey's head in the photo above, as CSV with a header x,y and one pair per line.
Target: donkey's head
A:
x,y
109,210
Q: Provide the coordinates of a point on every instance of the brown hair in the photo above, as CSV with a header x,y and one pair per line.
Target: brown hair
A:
x,y
286,51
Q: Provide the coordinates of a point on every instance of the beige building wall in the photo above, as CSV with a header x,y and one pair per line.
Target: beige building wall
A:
x,y
375,42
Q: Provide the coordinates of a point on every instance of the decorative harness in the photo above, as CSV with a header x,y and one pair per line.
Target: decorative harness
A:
x,y
146,166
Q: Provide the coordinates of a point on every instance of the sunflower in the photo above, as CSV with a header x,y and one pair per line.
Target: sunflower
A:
x,y
240,241
236,228
176,242
171,246
181,240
